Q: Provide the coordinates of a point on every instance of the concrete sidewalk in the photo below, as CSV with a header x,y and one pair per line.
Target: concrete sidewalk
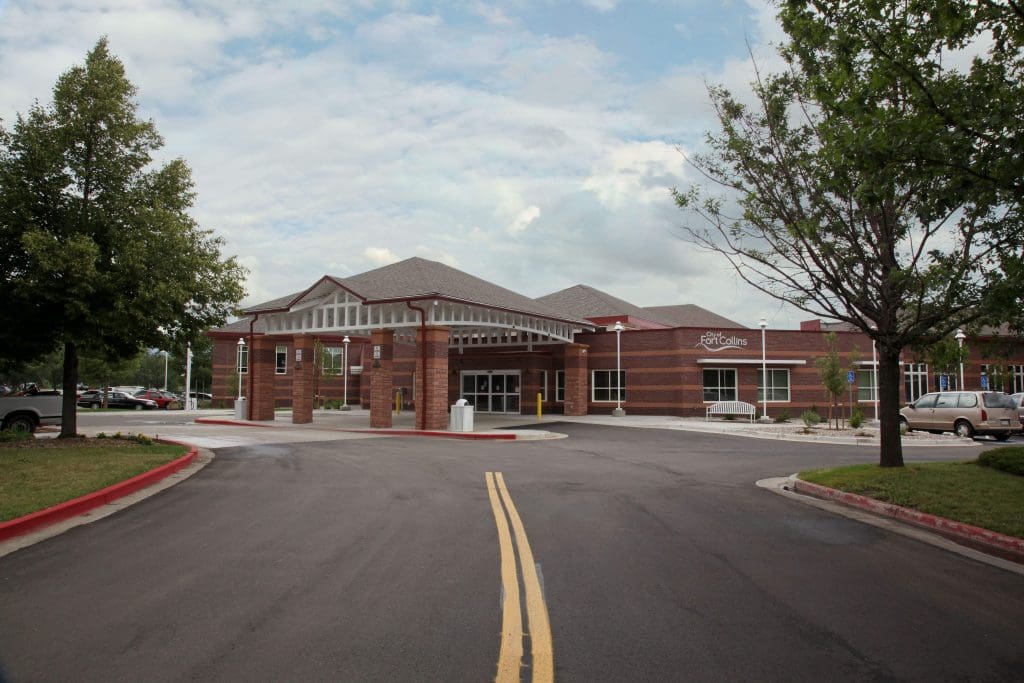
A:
x,y
529,427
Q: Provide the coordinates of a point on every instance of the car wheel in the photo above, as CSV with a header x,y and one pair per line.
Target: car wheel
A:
x,y
963,429
904,425
20,423
1001,437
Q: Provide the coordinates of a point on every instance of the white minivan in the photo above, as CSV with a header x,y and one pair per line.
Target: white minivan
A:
x,y
966,413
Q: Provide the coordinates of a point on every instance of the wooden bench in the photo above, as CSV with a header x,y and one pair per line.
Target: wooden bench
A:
x,y
731,408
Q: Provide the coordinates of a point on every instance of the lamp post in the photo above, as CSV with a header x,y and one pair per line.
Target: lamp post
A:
x,y
344,361
165,370
960,336
762,323
241,348
618,412
874,377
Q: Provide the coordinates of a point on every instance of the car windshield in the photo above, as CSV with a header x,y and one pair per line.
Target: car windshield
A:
x,y
994,399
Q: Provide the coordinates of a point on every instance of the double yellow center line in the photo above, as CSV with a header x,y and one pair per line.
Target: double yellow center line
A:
x,y
510,658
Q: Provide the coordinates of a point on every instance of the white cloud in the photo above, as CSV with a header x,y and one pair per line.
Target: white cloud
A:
x,y
380,256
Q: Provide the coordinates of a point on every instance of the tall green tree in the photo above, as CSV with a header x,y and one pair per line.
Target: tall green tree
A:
x,y
831,195
98,252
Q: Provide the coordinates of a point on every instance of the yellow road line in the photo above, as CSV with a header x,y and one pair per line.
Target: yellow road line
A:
x,y
511,654
541,651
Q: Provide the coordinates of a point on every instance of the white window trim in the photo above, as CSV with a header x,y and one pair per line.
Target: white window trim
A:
x,y
870,369
789,386
278,352
328,353
543,386
559,373
621,389
736,386
242,350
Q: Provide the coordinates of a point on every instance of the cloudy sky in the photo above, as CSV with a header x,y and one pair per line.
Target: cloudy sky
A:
x,y
532,143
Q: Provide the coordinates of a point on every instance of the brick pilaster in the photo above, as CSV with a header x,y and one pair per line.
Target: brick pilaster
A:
x,y
432,384
261,365
381,387
577,387
302,379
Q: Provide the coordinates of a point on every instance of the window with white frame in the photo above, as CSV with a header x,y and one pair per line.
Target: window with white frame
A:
x,y
332,360
605,387
560,386
243,359
867,388
915,380
947,381
281,360
777,385
543,385
1017,372
719,384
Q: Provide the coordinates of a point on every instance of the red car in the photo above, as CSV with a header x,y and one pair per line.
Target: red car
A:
x,y
165,400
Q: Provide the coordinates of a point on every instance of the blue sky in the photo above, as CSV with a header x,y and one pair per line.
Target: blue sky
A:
x,y
531,143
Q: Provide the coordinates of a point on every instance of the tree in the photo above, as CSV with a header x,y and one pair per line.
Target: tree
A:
x,y
841,207
98,253
832,374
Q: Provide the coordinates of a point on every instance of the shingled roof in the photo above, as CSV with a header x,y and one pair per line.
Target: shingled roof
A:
x,y
689,315
581,301
418,278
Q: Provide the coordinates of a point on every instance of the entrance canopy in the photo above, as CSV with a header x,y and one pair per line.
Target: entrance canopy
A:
x,y
404,295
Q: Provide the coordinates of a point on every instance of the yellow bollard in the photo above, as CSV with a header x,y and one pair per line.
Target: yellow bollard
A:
x,y
538,404
398,401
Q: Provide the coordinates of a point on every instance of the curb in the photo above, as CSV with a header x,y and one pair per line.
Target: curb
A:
x,y
82,504
469,436
1007,547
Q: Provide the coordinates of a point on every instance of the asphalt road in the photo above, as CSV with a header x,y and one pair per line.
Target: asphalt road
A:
x,y
378,559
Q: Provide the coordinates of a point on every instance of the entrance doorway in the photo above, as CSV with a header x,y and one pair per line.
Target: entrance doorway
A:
x,y
493,391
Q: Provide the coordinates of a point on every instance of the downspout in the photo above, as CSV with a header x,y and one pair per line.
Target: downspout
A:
x,y
423,361
252,356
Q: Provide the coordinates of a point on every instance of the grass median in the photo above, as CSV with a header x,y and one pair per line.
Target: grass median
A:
x,y
38,473
962,491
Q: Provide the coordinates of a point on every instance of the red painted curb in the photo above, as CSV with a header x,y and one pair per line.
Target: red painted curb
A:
x,y
77,506
1007,547
471,436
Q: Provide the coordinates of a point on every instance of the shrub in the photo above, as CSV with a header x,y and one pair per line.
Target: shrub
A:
x,y
1009,459
810,418
783,416
729,417
857,417
9,435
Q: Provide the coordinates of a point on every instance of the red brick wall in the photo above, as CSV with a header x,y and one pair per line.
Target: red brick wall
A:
x,y
381,394
432,388
577,378
302,379
264,382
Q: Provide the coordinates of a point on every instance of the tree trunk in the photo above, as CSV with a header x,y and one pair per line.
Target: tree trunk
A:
x,y
889,377
69,406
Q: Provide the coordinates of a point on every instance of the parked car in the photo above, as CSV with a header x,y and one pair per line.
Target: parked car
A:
x,y
1018,403
966,413
25,413
115,399
165,400
200,396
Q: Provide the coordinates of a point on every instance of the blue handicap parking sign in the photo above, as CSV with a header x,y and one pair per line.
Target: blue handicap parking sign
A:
x,y
943,382
984,382
851,377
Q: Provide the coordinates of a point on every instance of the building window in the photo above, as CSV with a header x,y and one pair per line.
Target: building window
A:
x,y
332,360
243,360
543,385
866,386
605,387
560,385
947,381
719,384
915,380
778,385
281,366
1017,372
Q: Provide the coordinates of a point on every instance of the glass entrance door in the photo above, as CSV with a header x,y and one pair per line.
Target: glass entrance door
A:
x,y
496,391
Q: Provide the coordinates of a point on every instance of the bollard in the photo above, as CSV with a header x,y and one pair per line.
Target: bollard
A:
x,y
538,405
398,401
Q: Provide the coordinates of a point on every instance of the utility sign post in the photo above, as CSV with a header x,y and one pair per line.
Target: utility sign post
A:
x,y
851,378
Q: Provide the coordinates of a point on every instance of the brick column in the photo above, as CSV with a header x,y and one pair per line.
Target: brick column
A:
x,y
381,387
432,385
302,379
577,387
261,364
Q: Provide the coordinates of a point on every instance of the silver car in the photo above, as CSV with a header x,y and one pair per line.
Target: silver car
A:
x,y
966,413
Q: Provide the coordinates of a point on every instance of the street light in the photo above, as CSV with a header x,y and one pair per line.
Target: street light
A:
x,y
960,336
874,373
762,323
344,360
165,370
618,412
241,348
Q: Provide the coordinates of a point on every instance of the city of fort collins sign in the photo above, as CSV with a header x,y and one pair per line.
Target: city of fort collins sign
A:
x,y
720,341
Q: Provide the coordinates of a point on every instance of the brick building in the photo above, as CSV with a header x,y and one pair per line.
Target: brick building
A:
x,y
423,334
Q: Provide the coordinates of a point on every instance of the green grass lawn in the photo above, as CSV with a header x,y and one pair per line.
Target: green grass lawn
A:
x,y
962,491
35,475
